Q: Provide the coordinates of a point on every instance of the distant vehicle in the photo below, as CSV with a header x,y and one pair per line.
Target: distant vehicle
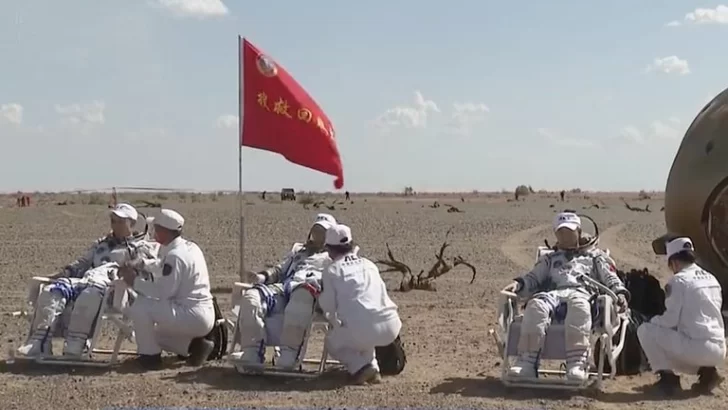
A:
x,y
288,194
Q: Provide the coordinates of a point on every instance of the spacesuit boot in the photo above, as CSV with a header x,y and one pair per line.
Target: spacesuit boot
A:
x,y
247,357
525,365
50,308
576,365
287,359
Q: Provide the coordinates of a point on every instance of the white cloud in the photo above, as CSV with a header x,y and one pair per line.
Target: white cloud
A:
x,y
408,116
195,8
669,130
718,15
631,135
669,65
11,114
658,131
82,113
461,118
227,121
552,137
466,115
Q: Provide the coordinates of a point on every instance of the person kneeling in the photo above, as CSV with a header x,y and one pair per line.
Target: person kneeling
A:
x,y
175,312
690,336
355,301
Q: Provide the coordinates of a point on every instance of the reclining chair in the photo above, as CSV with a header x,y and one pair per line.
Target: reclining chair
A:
x,y
318,322
116,297
110,310
606,324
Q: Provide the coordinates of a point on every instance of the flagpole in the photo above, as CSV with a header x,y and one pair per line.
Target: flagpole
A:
x,y
241,203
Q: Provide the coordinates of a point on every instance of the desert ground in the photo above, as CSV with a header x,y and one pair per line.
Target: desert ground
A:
x,y
452,361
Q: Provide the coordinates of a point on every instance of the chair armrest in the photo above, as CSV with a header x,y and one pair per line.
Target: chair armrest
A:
x,y
238,286
121,293
34,285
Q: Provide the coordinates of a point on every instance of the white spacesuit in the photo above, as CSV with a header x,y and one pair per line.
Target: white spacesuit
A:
x,y
689,337
81,287
286,292
553,283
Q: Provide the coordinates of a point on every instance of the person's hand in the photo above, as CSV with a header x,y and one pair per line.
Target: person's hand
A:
x,y
135,264
253,278
57,275
128,275
514,287
622,302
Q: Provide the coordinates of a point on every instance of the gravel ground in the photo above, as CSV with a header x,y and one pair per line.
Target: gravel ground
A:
x,y
452,361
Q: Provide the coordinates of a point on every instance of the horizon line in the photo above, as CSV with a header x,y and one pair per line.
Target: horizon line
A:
x,y
304,192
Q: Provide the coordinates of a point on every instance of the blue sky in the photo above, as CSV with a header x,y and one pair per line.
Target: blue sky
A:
x,y
475,95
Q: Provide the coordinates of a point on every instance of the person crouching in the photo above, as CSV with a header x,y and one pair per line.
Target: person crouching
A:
x,y
355,301
174,311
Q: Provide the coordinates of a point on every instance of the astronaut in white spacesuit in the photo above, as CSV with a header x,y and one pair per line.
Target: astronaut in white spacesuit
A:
x,y
690,336
290,289
80,287
553,283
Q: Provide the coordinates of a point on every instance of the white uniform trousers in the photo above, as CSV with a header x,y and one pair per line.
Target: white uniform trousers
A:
x,y
164,325
668,349
355,347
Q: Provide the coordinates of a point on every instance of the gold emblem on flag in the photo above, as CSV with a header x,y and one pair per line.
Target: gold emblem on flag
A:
x,y
266,66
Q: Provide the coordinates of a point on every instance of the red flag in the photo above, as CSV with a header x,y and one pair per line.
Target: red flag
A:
x,y
279,116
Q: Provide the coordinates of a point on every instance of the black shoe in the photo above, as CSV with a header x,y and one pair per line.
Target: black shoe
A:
x,y
668,384
150,361
708,379
200,350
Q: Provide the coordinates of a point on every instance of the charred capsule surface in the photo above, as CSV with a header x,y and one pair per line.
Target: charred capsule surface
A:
x,y
696,195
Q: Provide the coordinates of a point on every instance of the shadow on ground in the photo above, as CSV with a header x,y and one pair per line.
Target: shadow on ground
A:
x,y
492,387
227,378
34,369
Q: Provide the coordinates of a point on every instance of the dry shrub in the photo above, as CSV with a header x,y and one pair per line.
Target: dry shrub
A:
x,y
97,198
306,199
522,190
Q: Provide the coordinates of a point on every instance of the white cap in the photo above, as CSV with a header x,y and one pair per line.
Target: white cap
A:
x,y
338,235
325,220
567,220
170,219
125,211
679,245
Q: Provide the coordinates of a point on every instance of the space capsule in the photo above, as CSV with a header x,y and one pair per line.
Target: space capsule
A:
x,y
696,194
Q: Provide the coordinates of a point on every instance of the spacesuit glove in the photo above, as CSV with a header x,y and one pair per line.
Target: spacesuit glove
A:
x,y
622,302
514,287
314,284
253,278
136,264
58,275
